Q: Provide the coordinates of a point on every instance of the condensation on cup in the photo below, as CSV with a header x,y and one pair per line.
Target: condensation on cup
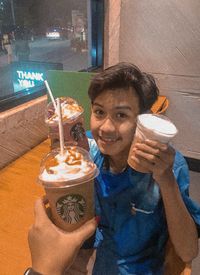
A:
x,y
68,181
73,124
153,127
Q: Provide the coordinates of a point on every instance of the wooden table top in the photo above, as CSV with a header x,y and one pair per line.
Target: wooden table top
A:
x,y
18,192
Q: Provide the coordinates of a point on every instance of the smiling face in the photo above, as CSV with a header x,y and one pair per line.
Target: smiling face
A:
x,y
113,121
70,206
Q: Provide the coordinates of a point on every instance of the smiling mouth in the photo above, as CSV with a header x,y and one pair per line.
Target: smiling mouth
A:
x,y
108,139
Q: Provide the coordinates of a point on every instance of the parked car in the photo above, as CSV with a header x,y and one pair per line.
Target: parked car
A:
x,y
54,33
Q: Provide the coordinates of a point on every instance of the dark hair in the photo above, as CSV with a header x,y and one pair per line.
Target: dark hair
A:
x,y
124,76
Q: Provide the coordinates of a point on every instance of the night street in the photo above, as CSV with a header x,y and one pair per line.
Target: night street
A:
x,y
57,51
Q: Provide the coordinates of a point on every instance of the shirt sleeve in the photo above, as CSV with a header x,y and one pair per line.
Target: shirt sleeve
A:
x,y
93,147
181,173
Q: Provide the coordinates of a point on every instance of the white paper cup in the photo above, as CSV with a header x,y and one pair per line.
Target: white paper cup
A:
x,y
153,127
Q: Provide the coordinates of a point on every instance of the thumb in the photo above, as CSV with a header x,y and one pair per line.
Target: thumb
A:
x,y
86,230
41,216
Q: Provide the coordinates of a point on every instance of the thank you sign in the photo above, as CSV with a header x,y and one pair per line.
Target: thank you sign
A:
x,y
30,74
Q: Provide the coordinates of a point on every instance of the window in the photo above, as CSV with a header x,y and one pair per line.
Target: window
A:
x,y
38,35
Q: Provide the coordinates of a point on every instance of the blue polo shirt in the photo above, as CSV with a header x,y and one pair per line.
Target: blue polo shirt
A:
x,y
132,233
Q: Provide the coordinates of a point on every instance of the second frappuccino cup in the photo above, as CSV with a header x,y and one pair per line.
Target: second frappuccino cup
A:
x,y
153,127
72,122
68,181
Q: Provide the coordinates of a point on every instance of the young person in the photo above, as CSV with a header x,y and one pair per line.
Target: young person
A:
x,y
6,45
139,211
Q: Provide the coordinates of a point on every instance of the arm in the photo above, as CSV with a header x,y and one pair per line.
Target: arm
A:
x,y
53,250
158,158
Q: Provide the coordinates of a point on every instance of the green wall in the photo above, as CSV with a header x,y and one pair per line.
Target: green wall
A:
x,y
72,84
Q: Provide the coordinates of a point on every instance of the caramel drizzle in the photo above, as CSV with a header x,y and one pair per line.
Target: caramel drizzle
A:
x,y
73,158
71,107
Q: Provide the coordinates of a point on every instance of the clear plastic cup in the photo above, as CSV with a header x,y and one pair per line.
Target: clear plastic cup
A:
x,y
73,123
68,181
154,127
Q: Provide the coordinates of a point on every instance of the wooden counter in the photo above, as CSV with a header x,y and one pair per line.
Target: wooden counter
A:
x,y
18,192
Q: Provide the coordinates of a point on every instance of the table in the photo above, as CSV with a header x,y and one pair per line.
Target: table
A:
x,y
18,192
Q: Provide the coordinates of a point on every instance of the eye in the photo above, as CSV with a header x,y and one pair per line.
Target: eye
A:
x,y
98,112
121,115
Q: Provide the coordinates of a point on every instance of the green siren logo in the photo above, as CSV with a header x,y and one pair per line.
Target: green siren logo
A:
x,y
71,208
77,132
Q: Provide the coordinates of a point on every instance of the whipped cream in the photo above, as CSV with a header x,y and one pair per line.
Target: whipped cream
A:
x,y
70,166
69,108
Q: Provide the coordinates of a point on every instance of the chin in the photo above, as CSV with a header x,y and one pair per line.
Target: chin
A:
x,y
108,150
104,149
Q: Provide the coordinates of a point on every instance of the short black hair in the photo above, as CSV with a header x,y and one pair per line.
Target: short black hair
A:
x,y
125,76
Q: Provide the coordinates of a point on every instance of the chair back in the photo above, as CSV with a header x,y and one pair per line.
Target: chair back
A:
x,y
161,105
72,84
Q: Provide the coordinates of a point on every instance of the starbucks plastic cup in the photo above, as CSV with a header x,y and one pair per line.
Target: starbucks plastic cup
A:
x,y
153,127
73,123
68,181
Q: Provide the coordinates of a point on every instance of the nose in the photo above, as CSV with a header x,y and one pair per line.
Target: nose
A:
x,y
108,125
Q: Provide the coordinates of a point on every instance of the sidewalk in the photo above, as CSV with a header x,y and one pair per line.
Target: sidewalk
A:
x,y
3,60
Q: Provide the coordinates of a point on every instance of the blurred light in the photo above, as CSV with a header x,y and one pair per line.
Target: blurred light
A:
x,y
53,35
94,53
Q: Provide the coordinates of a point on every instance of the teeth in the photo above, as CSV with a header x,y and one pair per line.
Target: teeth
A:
x,y
108,139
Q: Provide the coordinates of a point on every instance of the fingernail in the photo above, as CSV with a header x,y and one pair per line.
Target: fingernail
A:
x,y
97,218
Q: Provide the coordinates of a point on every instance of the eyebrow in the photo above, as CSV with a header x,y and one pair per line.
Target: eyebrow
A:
x,y
117,107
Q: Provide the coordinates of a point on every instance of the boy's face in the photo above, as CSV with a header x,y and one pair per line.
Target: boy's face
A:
x,y
113,121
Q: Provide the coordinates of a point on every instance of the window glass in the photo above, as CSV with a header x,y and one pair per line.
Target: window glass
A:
x,y
38,35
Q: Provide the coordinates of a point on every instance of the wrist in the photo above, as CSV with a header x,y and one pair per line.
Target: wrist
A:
x,y
31,271
165,179
169,187
46,269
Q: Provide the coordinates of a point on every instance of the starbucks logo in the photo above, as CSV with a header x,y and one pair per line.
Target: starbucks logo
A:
x,y
77,132
71,208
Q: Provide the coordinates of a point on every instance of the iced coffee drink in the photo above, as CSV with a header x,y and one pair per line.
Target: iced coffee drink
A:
x,y
73,123
154,127
68,181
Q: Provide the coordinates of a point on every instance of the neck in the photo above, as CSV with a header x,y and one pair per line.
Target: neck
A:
x,y
117,165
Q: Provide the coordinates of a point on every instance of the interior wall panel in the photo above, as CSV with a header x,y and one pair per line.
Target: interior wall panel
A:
x,y
163,38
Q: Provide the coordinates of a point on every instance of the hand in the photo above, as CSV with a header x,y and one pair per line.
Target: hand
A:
x,y
53,250
156,158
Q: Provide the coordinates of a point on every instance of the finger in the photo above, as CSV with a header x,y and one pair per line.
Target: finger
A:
x,y
47,207
167,154
163,151
86,230
40,213
156,144
142,164
146,148
167,157
49,213
45,199
146,156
